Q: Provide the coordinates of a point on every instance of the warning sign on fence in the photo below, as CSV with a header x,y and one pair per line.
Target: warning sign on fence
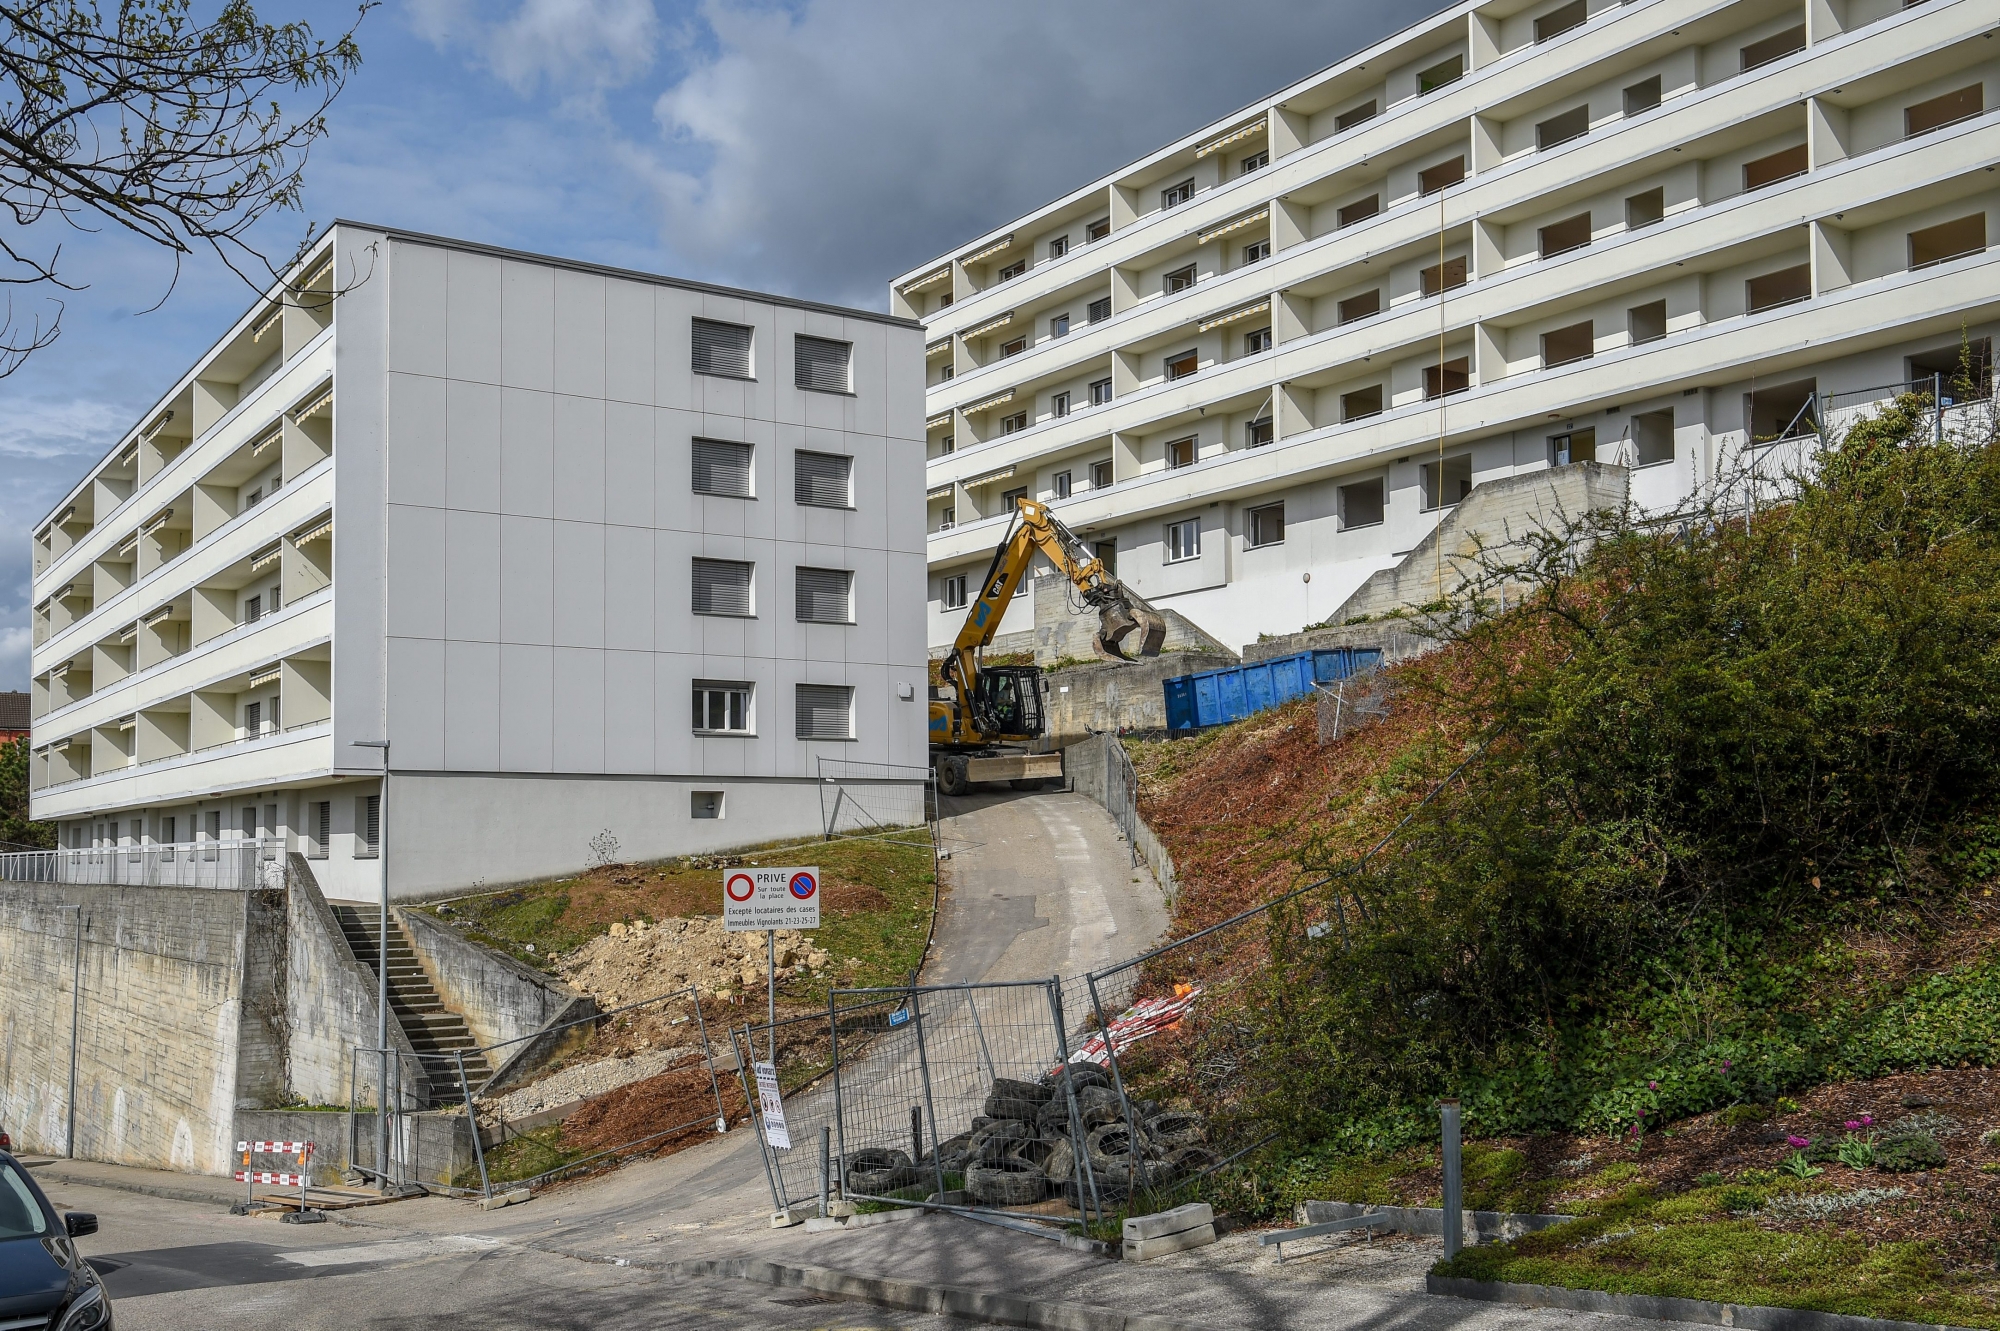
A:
x,y
759,899
768,1100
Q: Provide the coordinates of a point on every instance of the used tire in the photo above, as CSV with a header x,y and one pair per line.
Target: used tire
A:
x,y
1174,1128
875,1171
1193,1160
1035,1153
1114,1150
1080,1075
1004,1108
1060,1162
1006,1088
952,1154
999,1130
1006,1183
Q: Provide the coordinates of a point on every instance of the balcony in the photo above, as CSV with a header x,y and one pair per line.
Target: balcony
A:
x,y
234,865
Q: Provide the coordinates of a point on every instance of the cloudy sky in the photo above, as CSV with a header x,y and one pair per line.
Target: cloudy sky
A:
x,y
812,148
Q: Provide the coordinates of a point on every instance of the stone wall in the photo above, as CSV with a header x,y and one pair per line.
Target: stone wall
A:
x,y
1113,697
1068,632
1394,642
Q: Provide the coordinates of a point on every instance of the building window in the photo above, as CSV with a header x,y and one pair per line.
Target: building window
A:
x,y
1946,110
1561,20
824,711
1645,208
1361,404
1782,411
1454,376
1256,340
1059,326
1775,47
1175,195
1965,369
253,720
944,300
1778,166
1100,392
1259,432
1013,270
722,708
1182,453
1779,288
947,445
1107,555
1059,404
1016,422
253,610
723,587
1183,540
1572,446
1574,342
1361,504
1100,309
1267,525
254,498
947,517
1364,306
1437,76
1353,116
822,480
1572,233
1257,251
1448,482
1446,276
1648,322
1014,347
1642,96
1442,176
946,373
1182,365
823,364
1358,211
723,467
367,827
1059,485
722,349
825,596
319,822
1178,280
1011,499
1653,437
1100,475
1947,241
1571,124
1256,161
1097,230
954,592
1059,247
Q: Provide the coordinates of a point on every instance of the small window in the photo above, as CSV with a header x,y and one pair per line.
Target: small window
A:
x,y
947,445
1454,376
723,587
1775,47
1182,453
825,596
1182,365
1257,251
1559,21
1183,540
946,373
1779,288
367,827
1572,233
1107,555
822,480
1778,166
1180,279
1364,306
254,498
722,707
1571,124
952,592
1361,504
1358,211
319,818
1442,176
1440,74
1354,115
1645,208
1653,437
1267,525
1175,195
1059,326
1011,499
822,363
1949,109
253,720
1361,404
1013,348
1648,322
1259,432
723,467
721,349
1097,230
1059,247
824,711
1012,270
1100,310
1448,482
944,300
1100,475
1947,241
1256,161
253,610
705,803
947,518
1100,392
1572,446
1574,342
1256,340
1642,96
1446,276
1059,404
1016,422
1059,485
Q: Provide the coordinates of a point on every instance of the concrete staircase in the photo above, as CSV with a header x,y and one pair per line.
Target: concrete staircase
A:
x,y
434,1031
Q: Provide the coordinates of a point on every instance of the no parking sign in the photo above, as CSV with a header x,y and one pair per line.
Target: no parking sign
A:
x,y
758,899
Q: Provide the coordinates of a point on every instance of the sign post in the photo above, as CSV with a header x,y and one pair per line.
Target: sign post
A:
x,y
755,899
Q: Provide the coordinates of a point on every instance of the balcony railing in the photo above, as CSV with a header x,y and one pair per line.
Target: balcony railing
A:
x,y
237,865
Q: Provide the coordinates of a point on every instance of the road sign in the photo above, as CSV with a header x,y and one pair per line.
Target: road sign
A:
x,y
775,1131
757,899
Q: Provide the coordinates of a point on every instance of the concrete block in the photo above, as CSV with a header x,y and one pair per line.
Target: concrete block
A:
x,y
883,1217
1144,1250
819,1224
1161,1223
499,1199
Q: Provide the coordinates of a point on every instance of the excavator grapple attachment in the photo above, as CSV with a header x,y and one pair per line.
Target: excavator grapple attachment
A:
x,y
1126,632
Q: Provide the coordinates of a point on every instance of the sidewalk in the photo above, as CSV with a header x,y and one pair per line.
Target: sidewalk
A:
x,y
128,1178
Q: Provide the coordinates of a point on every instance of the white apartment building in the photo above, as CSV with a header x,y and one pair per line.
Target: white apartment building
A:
x,y
596,551
1262,362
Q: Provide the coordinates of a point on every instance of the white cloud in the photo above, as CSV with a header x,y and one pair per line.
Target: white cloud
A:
x,y
577,49
59,428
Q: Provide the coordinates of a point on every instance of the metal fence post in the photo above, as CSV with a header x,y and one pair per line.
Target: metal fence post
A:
x,y
839,1116
930,1110
353,1146
1454,1199
478,1149
708,1052
756,1115
1086,1177
825,1166
1132,1146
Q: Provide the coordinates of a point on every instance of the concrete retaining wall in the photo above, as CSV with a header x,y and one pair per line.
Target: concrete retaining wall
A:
x,y
435,1147
499,997
1113,696
1066,632
1395,644
1097,767
330,995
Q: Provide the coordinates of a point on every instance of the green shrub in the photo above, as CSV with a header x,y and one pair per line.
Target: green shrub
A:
x,y
1903,1155
1738,1200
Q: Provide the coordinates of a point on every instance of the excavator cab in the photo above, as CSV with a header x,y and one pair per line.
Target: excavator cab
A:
x,y
1007,702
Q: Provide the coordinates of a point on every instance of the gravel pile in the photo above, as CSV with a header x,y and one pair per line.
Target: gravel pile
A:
x,y
633,962
583,1081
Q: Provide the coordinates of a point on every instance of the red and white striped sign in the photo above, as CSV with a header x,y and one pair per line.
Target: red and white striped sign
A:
x,y
276,1148
271,1176
1140,1021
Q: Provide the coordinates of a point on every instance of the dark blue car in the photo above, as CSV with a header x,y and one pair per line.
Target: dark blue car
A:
x,y
44,1281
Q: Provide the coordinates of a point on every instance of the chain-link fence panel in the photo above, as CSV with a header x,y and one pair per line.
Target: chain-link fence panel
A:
x,y
857,798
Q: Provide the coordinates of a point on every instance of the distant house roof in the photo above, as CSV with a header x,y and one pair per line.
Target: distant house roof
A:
x,y
14,711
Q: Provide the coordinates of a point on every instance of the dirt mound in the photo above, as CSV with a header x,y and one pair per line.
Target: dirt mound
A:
x,y
682,1099
631,962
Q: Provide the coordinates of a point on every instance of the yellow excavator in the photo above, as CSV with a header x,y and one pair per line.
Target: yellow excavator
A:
x,y
982,716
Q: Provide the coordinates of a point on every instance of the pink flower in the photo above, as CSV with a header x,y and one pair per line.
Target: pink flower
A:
x,y
1642,1113
1867,1119
1725,1065
1853,1124
1652,1086
1799,1142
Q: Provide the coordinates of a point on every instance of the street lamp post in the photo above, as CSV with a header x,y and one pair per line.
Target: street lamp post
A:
x,y
382,960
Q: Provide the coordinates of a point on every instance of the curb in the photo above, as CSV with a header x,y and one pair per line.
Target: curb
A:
x,y
147,1189
1746,1317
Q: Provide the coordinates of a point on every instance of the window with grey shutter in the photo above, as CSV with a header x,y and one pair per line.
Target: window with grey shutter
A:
x,y
822,479
821,363
253,720
825,711
825,596
367,827
722,587
721,348
723,468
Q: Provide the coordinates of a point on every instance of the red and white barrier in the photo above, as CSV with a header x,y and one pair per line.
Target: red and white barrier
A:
x,y
250,1178
270,1176
276,1148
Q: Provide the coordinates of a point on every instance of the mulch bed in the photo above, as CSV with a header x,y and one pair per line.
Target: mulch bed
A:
x,y
682,1099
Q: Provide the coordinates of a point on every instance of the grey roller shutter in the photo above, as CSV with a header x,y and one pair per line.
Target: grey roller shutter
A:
x,y
825,711
822,363
722,468
822,479
722,587
825,596
721,348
